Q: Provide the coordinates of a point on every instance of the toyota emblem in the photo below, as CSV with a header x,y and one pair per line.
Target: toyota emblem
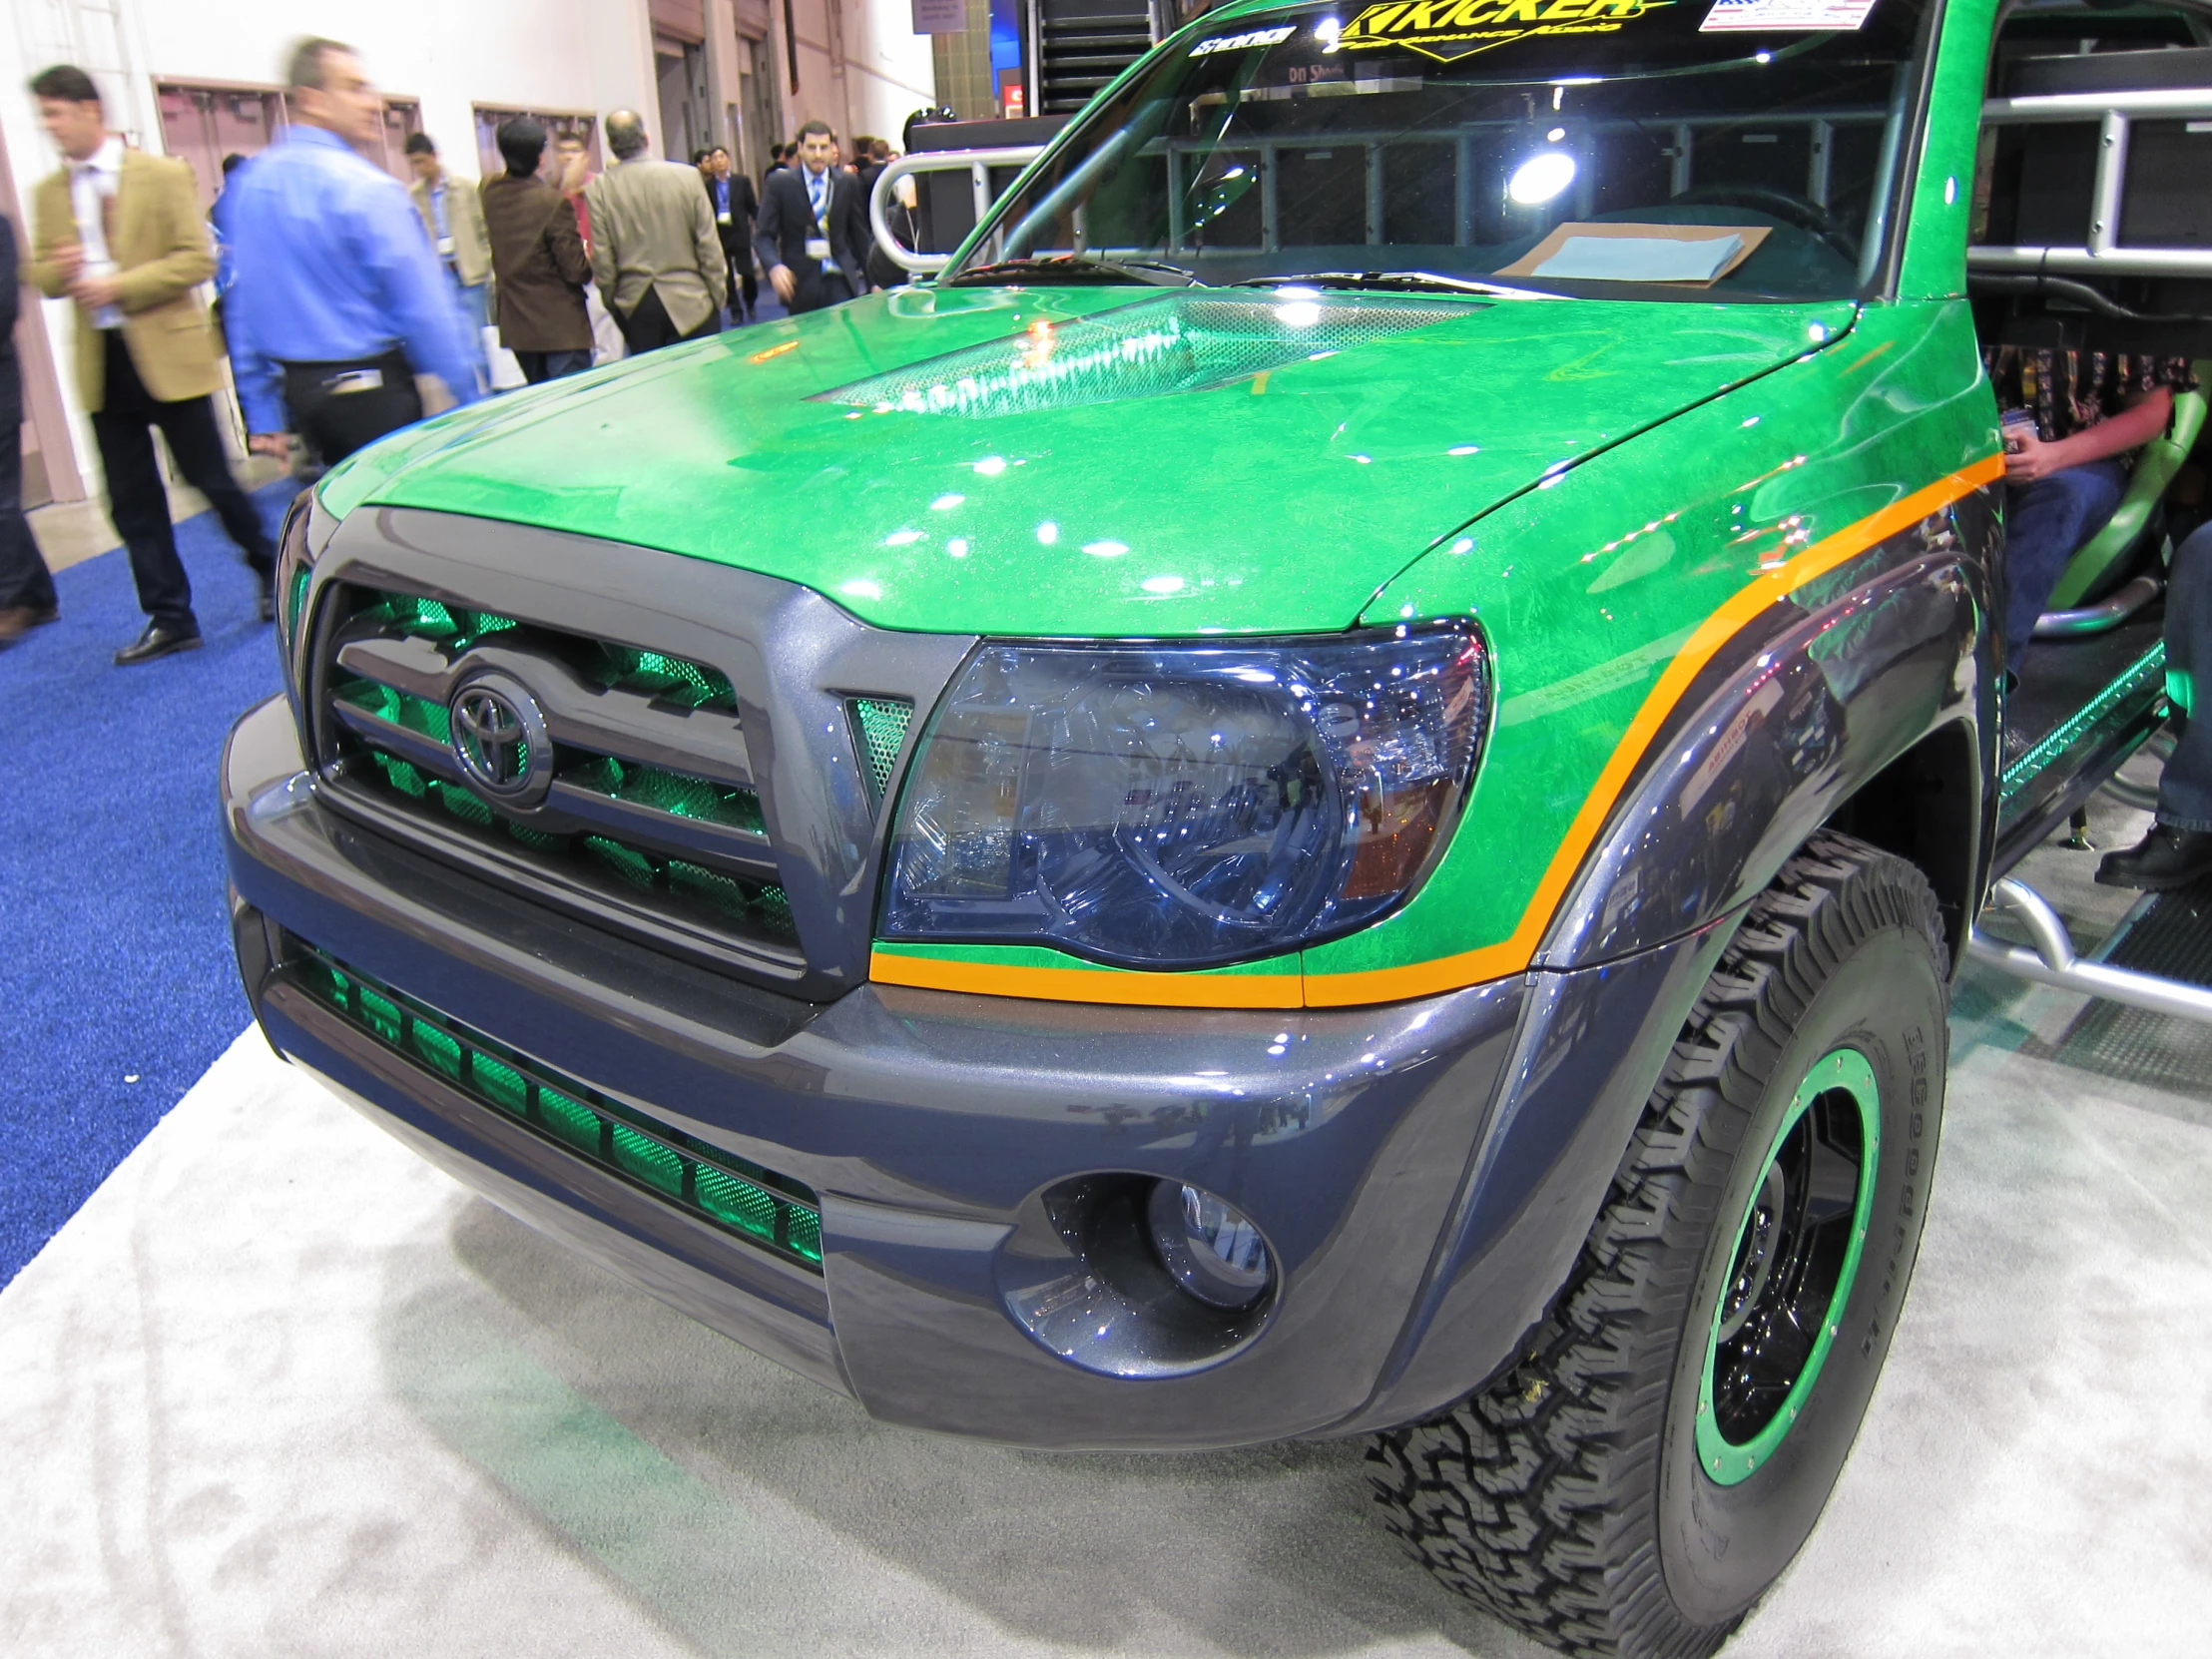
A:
x,y
500,741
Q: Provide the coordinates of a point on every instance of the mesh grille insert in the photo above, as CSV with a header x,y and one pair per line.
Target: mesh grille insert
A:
x,y
756,908
675,792
633,863
764,1209
880,723
689,684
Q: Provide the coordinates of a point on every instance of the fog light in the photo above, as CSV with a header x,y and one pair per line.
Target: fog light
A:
x,y
1211,1248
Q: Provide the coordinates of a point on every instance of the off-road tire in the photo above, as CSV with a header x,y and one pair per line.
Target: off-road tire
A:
x,y
1566,1496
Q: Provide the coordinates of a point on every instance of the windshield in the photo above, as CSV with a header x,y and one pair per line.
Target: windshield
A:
x,y
1631,149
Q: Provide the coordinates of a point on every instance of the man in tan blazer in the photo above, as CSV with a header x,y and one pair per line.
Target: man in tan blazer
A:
x,y
453,217
121,233
654,252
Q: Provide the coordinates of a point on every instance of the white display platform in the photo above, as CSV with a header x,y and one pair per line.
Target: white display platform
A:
x,y
280,1389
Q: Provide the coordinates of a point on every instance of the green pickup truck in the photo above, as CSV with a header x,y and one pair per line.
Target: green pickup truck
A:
x,y
1331,788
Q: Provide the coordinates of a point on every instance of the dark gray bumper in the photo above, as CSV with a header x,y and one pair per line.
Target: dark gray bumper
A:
x,y
1394,1177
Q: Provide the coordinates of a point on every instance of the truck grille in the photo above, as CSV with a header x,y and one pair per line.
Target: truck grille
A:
x,y
647,811
770,1211
694,756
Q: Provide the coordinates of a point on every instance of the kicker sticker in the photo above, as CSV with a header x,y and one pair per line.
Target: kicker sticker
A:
x,y
1449,30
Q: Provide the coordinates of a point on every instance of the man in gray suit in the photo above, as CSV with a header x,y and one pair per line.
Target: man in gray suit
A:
x,y
655,254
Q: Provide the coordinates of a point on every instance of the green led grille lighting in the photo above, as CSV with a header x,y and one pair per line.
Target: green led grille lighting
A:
x,y
672,678
296,601
2147,669
431,619
456,627
756,908
764,1209
675,793
417,714
881,726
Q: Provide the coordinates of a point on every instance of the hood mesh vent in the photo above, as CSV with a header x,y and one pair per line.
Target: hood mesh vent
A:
x,y
1177,342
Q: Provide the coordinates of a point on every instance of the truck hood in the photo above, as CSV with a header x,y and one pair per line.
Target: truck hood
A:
x,y
1086,461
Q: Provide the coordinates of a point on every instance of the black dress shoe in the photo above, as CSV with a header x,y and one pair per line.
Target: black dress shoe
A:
x,y
2165,859
161,639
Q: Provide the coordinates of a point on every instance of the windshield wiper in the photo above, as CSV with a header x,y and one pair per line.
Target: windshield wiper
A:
x,y
1076,268
1392,281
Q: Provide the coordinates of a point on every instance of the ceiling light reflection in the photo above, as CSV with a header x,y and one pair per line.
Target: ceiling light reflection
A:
x,y
1540,178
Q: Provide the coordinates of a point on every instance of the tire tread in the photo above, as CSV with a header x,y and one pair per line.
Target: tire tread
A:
x,y
1525,1498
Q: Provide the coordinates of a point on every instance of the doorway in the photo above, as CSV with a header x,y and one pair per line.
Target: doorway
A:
x,y
687,118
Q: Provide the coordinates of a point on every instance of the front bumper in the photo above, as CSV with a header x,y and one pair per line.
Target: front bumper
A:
x,y
1416,1166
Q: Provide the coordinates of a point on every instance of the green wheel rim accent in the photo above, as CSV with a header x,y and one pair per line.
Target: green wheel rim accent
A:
x,y
1844,1073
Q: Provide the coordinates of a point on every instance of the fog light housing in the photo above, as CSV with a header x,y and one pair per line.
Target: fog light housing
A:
x,y
1210,1246
1121,1273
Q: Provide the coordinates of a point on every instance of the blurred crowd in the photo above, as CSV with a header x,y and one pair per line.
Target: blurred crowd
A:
x,y
348,305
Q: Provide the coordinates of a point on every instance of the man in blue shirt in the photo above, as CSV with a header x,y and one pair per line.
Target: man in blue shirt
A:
x,y
339,300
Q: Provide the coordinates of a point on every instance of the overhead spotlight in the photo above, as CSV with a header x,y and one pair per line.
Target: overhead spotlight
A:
x,y
1540,178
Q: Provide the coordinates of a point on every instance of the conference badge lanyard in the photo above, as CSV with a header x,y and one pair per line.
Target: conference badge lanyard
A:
x,y
818,248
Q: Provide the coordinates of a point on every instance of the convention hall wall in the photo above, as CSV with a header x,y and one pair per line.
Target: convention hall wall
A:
x,y
860,67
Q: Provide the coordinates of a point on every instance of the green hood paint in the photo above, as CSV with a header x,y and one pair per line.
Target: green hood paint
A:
x,y
1278,502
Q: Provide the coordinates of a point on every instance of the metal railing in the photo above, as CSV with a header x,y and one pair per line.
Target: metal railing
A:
x,y
978,164
2101,254
1265,152
2051,961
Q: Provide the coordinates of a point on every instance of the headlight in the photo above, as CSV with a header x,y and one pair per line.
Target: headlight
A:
x,y
1185,806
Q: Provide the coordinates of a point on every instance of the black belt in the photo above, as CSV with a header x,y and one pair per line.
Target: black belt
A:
x,y
326,374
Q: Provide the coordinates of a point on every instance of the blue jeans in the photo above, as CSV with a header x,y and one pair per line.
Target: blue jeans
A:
x,y
471,301
2045,524
2185,792
539,366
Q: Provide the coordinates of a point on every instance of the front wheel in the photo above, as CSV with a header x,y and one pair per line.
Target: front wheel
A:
x,y
1665,1442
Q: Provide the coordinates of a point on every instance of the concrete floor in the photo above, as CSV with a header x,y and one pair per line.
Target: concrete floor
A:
x,y
281,1388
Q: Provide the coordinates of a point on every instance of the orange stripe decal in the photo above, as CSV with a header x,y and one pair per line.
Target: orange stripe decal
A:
x,y
1513,954
1054,984
1509,955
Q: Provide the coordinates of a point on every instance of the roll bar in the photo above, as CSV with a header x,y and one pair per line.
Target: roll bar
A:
x,y
2102,254
976,162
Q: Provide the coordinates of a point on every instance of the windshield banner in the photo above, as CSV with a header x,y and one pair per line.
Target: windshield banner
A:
x,y
1449,30
1774,17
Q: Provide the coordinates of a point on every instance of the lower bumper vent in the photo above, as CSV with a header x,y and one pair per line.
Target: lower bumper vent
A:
x,y
770,1211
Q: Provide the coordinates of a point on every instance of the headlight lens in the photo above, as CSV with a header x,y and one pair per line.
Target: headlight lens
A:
x,y
1184,806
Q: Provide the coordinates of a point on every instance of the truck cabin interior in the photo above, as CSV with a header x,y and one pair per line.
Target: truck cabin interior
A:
x,y
2093,234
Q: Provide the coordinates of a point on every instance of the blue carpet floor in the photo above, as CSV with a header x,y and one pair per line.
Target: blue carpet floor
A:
x,y
117,985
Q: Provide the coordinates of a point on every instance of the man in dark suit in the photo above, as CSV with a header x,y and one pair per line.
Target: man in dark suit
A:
x,y
736,207
813,231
